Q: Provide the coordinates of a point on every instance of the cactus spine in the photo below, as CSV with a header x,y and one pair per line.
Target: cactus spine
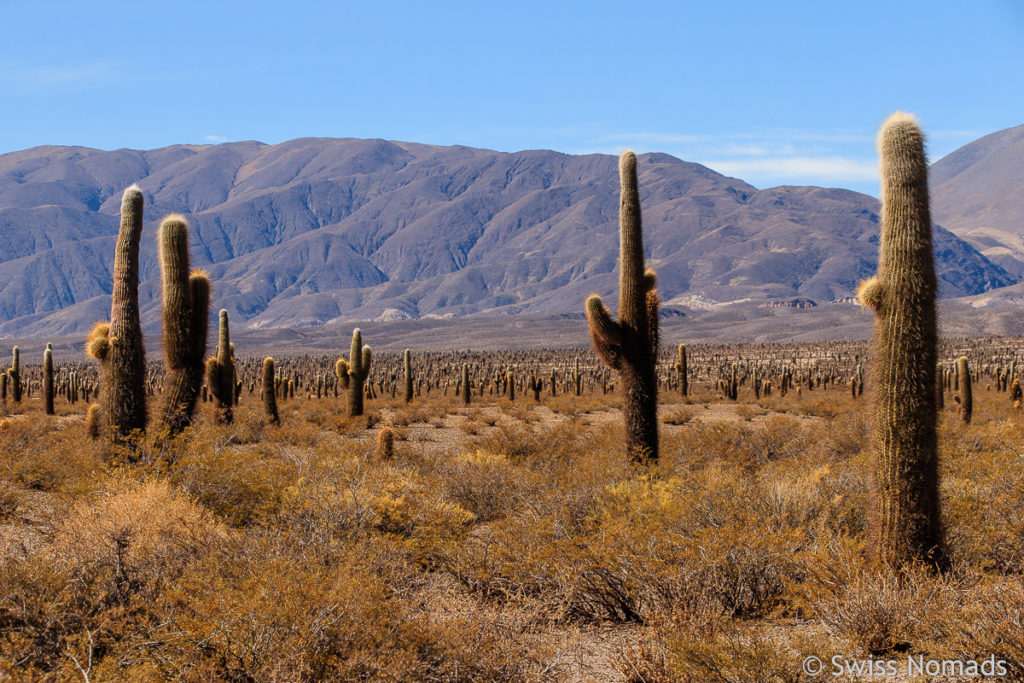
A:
x,y
269,399
965,399
220,373
118,344
905,516
48,380
358,368
407,367
186,308
630,345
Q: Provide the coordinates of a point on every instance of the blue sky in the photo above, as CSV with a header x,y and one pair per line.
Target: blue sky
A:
x,y
774,93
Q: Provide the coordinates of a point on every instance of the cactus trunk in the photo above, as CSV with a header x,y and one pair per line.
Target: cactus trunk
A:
x,y
118,344
48,380
186,305
220,373
906,525
358,369
269,399
966,398
630,345
407,368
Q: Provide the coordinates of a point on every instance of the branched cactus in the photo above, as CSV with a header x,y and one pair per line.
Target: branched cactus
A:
x,y
269,399
684,386
14,375
407,368
535,385
906,524
186,308
629,346
48,380
117,345
220,373
359,361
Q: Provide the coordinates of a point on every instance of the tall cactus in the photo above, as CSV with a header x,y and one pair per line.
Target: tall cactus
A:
x,y
14,375
220,373
465,384
359,360
48,380
905,516
118,344
269,399
407,368
630,345
684,385
965,399
186,303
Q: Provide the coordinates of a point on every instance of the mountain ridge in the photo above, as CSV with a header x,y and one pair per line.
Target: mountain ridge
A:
x,y
315,230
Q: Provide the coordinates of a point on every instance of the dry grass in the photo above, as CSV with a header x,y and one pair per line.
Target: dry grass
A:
x,y
506,541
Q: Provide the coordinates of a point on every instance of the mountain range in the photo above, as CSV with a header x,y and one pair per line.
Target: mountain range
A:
x,y
314,231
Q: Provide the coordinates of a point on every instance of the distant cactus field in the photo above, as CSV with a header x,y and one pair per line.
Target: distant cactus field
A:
x,y
504,539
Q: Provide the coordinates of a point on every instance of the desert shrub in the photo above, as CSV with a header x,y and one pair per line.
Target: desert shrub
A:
x,y
412,415
732,654
520,443
35,454
821,499
881,613
92,585
990,621
677,416
748,412
10,500
489,485
846,435
241,486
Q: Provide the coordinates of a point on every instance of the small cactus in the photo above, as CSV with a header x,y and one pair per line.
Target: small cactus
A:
x,y
684,386
14,375
407,368
535,386
48,380
386,443
220,373
966,400
269,399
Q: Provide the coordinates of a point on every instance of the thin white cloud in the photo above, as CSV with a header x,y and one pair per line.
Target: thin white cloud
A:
x,y
828,169
44,77
215,139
